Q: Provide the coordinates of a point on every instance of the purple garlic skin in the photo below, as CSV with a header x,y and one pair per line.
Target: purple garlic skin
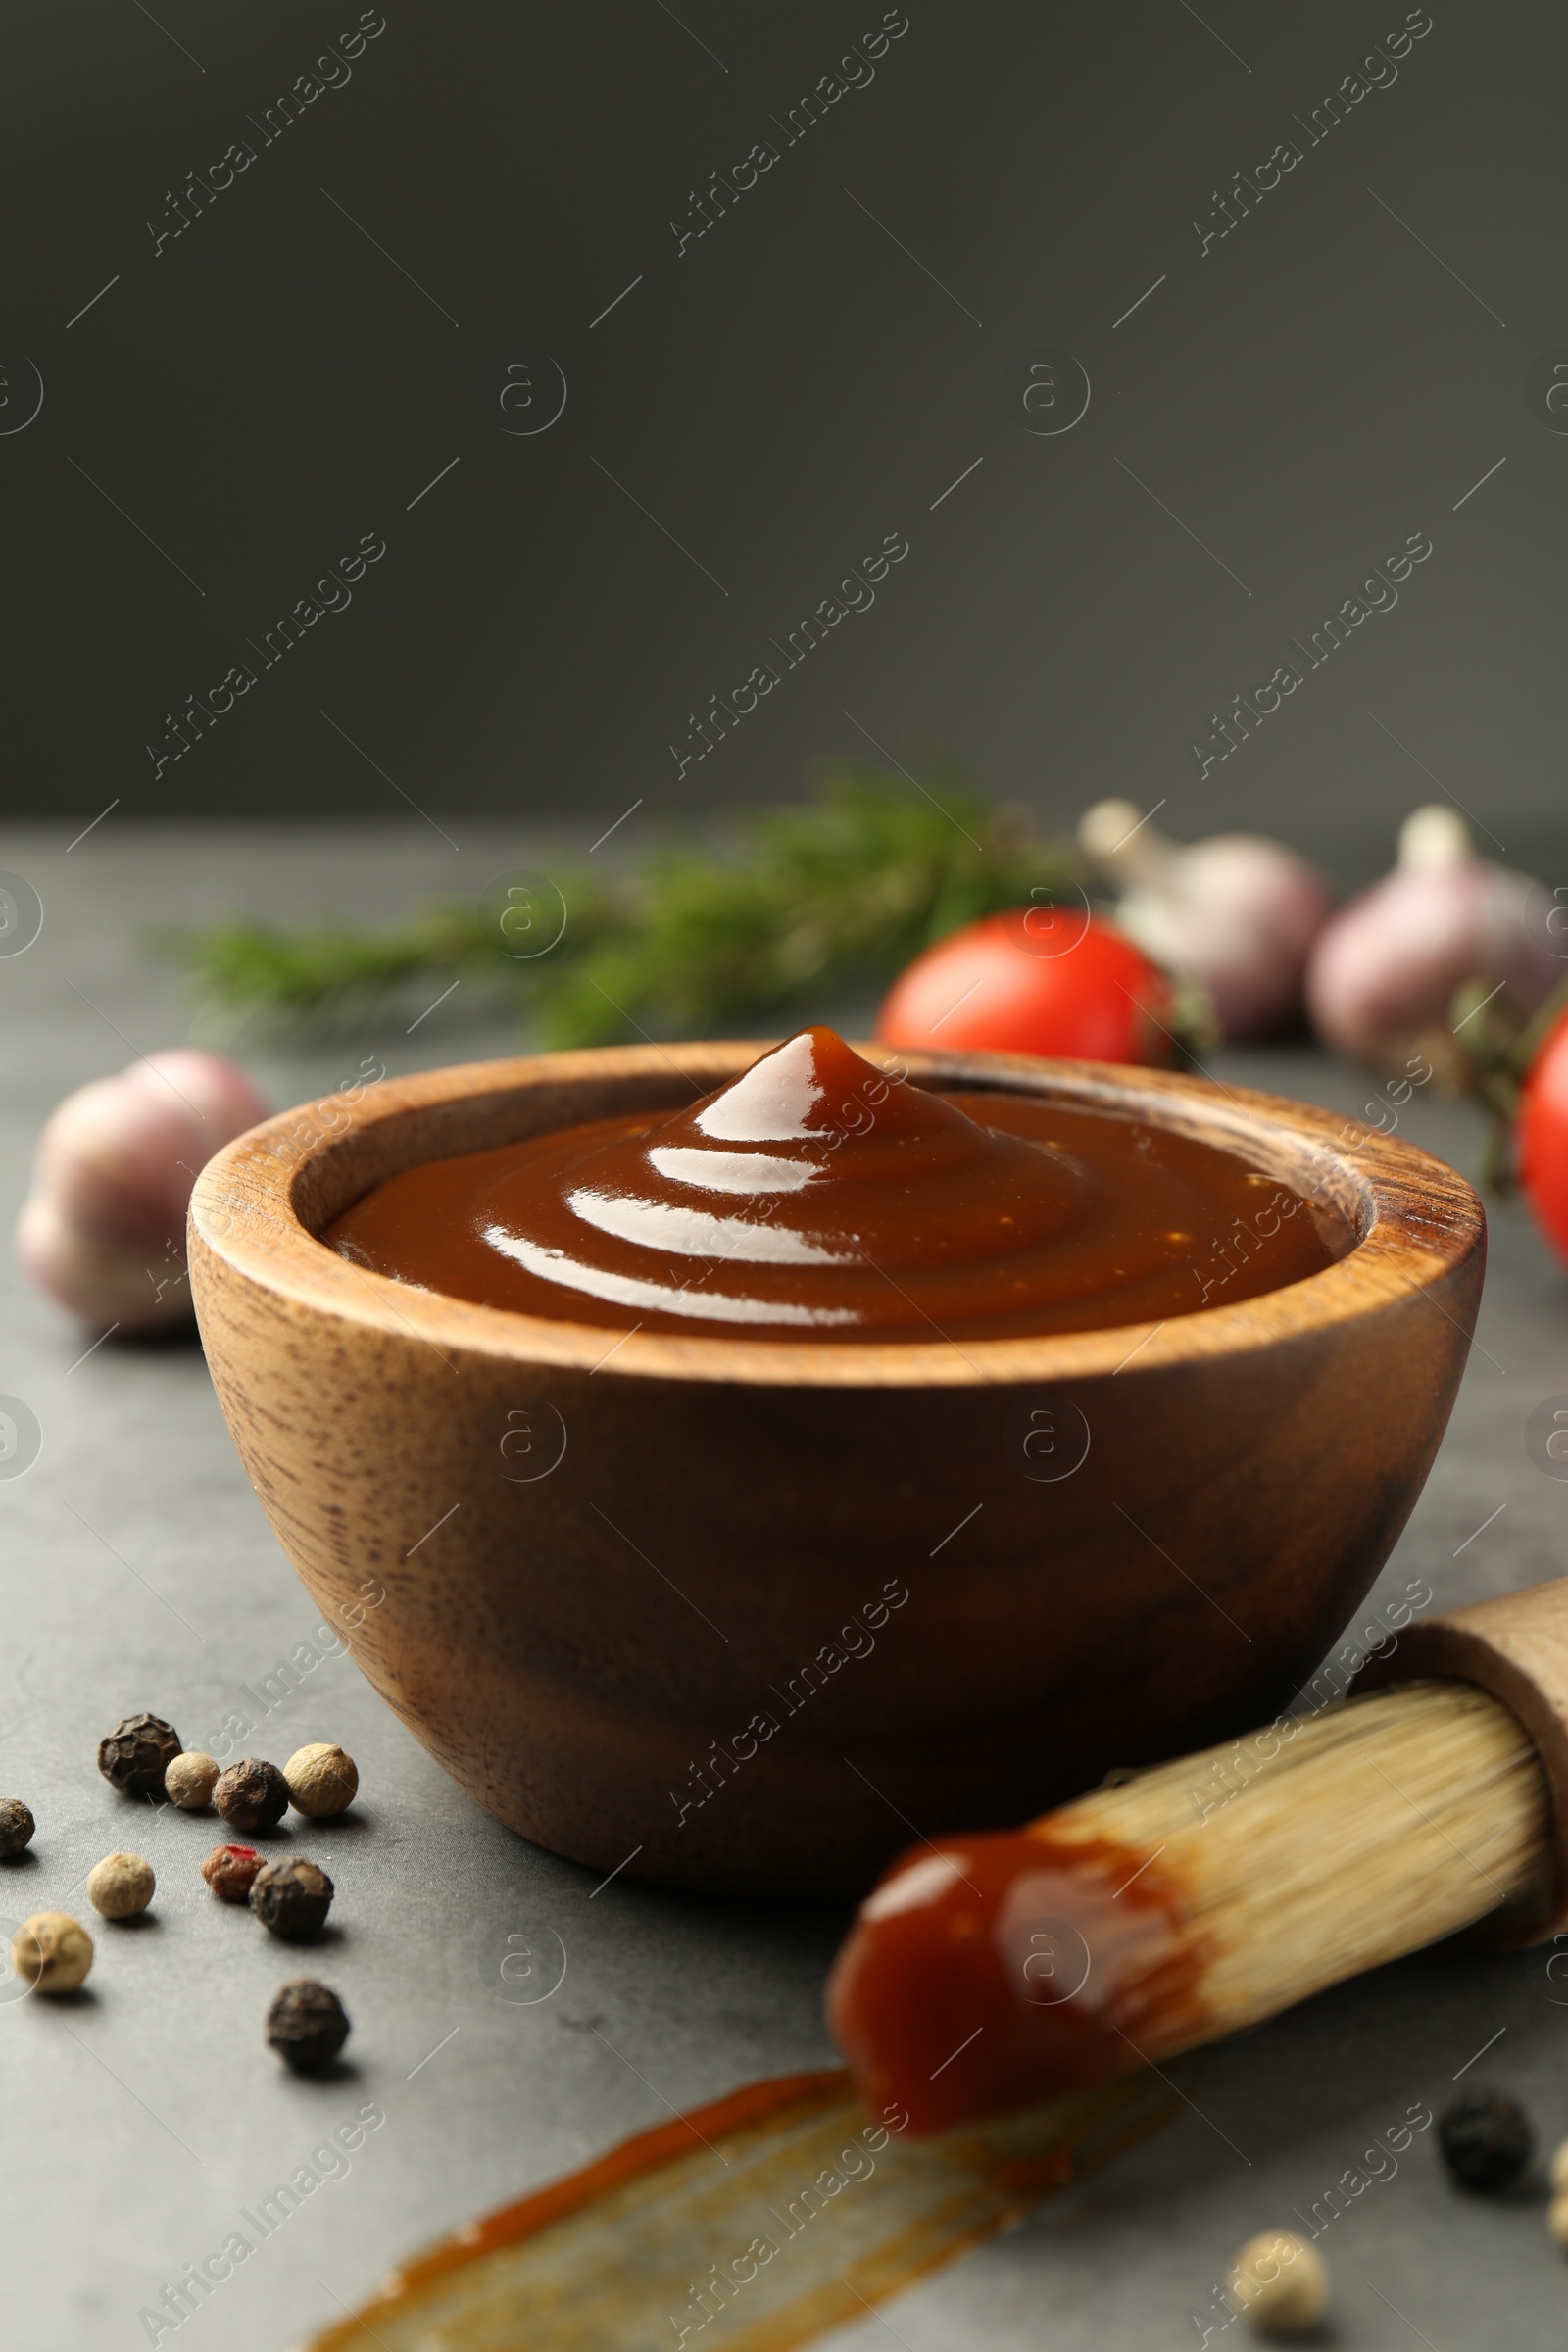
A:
x,y
1384,972
1238,913
103,1229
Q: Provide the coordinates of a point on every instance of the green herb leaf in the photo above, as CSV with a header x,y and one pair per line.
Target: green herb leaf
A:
x,y
812,901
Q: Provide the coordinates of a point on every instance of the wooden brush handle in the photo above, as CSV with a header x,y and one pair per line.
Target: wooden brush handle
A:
x,y
1516,1647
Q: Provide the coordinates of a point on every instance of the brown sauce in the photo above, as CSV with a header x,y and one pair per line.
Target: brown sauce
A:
x,y
622,2253
818,1197
991,1973
740,2110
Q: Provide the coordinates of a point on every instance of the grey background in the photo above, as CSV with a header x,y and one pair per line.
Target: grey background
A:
x,y
1300,397
136,1569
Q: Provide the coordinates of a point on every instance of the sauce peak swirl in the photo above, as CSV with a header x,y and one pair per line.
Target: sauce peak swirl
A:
x,y
817,1196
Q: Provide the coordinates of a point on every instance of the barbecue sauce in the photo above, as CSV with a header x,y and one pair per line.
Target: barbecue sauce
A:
x,y
817,1196
989,1973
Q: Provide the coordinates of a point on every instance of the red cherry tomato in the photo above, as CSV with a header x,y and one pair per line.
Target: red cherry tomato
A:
x,y
1041,980
1541,1138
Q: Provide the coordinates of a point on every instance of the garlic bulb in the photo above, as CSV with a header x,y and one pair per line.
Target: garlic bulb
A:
x,y
103,1228
1385,970
1238,913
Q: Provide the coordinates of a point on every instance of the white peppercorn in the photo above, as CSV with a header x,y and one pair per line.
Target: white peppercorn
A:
x,y
121,1885
322,1779
1558,2219
1557,2169
51,1951
1280,2281
190,1780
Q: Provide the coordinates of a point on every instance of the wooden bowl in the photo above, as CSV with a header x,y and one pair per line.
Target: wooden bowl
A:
x,y
748,1615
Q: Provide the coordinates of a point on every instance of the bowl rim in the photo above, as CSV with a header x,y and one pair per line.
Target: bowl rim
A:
x,y
1419,1222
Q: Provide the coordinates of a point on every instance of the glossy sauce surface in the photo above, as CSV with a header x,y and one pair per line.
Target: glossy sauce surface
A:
x,y
988,1973
819,1197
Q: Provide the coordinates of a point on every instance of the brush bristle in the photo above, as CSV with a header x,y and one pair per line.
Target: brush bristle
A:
x,y
1323,1846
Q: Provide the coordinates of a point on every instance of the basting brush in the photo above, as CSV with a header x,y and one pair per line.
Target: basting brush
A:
x,y
996,1986
989,1973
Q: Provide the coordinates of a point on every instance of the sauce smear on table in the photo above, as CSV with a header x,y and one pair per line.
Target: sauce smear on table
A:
x,y
756,2222
819,1197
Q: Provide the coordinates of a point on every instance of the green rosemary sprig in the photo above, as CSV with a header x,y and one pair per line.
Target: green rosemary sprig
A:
x,y
812,901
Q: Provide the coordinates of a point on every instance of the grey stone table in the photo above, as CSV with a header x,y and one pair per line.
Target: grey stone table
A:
x,y
136,1570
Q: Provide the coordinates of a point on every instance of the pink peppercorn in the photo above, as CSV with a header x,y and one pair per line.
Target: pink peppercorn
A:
x,y
229,1868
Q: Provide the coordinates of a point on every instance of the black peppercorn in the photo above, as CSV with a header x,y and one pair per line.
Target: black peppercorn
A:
x,y
17,1825
137,1753
292,1897
251,1794
306,2025
1485,2138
